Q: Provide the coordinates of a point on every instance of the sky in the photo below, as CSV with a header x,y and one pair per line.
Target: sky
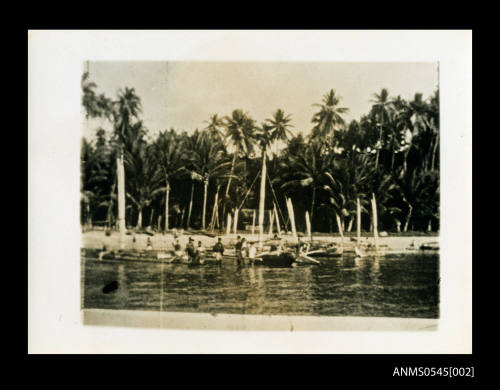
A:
x,y
183,95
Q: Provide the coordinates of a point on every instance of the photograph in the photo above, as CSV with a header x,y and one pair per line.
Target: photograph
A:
x,y
250,192
307,189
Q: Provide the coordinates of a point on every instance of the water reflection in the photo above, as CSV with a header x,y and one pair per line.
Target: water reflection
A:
x,y
402,286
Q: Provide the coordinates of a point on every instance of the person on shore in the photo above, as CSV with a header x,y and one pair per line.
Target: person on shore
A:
x,y
218,250
149,244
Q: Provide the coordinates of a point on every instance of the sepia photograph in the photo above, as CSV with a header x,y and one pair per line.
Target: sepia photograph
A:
x,y
261,188
250,192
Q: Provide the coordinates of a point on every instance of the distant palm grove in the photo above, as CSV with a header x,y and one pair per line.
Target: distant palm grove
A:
x,y
182,180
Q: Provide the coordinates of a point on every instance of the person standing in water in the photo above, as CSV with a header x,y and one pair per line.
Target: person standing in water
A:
x,y
191,251
252,251
237,249
200,252
243,252
218,250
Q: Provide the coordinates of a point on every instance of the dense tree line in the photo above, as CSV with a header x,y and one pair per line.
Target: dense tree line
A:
x,y
179,180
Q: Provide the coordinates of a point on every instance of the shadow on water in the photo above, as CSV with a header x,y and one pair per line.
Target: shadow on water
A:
x,y
392,286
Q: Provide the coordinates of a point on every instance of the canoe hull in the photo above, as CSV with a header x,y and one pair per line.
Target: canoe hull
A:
x,y
282,260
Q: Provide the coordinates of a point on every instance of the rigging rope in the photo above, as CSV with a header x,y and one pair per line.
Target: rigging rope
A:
x,y
276,200
250,189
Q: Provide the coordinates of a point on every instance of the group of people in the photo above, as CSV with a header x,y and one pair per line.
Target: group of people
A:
x,y
244,250
196,253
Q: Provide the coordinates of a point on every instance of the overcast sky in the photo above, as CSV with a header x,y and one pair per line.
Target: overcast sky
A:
x,y
183,95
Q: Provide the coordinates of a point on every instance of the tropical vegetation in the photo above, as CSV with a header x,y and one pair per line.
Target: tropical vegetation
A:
x,y
170,179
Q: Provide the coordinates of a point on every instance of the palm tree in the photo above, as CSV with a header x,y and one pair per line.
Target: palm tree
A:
x,y
209,162
433,114
277,128
144,178
95,169
329,117
416,111
240,135
381,110
307,169
345,182
191,144
214,127
385,188
126,109
167,151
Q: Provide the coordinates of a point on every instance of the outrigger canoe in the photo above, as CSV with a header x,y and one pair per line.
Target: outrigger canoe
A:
x,y
432,246
267,259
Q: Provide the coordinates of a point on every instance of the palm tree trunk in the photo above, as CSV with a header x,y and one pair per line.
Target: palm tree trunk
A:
x,y
151,217
121,196
380,140
232,171
190,205
434,152
109,214
312,205
89,217
358,220
408,216
341,230
262,197
214,210
167,197
205,190
405,163
375,221
182,216
349,225
228,184
139,219
393,154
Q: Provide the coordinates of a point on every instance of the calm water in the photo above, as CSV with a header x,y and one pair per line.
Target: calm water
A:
x,y
393,286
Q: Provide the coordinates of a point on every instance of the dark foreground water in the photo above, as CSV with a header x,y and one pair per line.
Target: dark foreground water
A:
x,y
393,286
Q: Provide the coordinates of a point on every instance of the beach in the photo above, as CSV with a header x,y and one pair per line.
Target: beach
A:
x,y
96,239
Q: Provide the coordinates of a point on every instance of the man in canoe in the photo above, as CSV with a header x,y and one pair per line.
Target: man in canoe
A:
x,y
218,250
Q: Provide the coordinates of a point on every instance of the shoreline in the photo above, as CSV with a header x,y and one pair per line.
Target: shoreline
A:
x,y
96,239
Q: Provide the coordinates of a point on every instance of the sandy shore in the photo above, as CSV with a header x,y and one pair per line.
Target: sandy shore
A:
x,y
96,239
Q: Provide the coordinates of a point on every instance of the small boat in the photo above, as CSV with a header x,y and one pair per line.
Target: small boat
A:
x,y
432,246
